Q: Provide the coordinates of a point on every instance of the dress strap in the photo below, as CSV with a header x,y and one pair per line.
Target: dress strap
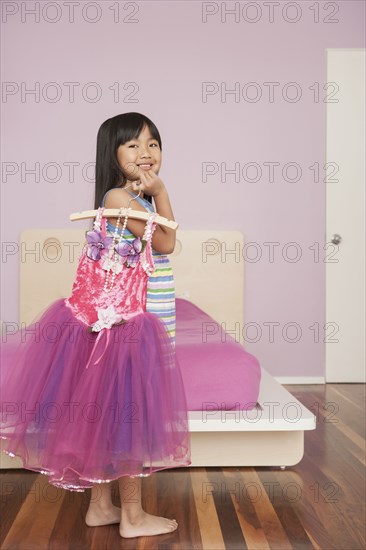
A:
x,y
146,256
100,223
130,193
150,227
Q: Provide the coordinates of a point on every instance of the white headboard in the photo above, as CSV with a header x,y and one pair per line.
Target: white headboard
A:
x,y
208,270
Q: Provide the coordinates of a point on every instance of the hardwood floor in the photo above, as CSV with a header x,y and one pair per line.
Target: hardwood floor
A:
x,y
318,503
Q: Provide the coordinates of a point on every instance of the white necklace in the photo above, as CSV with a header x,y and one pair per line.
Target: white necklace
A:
x,y
109,281
117,237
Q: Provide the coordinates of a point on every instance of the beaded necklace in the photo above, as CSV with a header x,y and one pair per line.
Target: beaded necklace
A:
x,y
109,282
116,239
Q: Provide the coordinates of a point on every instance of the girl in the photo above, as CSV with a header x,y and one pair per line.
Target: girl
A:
x,y
96,394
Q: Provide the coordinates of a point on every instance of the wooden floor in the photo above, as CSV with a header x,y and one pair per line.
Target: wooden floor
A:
x,y
319,503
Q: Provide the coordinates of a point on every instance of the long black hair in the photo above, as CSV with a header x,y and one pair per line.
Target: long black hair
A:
x,y
114,132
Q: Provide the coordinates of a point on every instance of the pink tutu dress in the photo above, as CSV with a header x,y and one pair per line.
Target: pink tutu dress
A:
x,y
92,390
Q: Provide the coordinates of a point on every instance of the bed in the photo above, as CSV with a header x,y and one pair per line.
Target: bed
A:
x,y
239,415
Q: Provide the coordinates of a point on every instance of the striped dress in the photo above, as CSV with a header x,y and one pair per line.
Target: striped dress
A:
x,y
160,285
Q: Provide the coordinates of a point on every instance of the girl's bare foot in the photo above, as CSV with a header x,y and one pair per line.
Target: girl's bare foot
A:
x,y
101,511
97,516
145,524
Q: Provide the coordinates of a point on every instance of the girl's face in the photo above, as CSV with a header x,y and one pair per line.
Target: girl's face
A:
x,y
140,154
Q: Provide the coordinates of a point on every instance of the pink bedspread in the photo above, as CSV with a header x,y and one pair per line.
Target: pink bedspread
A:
x,y
218,373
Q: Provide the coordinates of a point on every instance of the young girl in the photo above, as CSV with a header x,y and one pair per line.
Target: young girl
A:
x,y
93,391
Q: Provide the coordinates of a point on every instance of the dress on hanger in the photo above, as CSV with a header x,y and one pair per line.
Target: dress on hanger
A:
x,y
92,390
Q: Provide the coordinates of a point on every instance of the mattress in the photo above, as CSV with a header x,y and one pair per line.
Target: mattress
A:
x,y
218,373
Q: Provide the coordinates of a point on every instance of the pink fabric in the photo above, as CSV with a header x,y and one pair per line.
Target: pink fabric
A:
x,y
218,373
128,296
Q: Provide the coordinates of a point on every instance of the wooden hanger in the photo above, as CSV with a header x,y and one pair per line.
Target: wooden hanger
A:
x,y
115,212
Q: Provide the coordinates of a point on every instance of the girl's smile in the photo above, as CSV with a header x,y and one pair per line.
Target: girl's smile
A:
x,y
145,166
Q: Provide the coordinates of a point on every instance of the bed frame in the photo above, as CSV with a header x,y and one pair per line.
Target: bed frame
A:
x,y
271,434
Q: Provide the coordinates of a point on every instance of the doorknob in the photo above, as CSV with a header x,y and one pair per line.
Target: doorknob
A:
x,y
336,239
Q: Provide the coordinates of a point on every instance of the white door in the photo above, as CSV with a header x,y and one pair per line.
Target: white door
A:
x,y
345,210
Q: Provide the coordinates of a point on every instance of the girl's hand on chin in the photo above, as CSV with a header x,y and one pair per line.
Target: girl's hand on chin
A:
x,y
149,183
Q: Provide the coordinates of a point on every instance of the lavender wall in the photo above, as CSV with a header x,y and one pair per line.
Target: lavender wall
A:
x,y
175,62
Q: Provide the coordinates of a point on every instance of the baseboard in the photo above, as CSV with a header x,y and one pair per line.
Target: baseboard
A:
x,y
300,379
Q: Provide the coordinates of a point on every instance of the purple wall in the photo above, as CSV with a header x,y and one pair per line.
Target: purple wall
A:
x,y
168,51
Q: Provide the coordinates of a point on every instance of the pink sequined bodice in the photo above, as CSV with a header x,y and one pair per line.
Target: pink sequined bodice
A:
x,y
95,306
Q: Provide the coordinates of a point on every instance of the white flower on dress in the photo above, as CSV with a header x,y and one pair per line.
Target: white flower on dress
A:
x,y
110,264
106,318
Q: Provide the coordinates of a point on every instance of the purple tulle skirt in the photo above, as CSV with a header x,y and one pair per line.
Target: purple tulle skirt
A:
x,y
90,407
